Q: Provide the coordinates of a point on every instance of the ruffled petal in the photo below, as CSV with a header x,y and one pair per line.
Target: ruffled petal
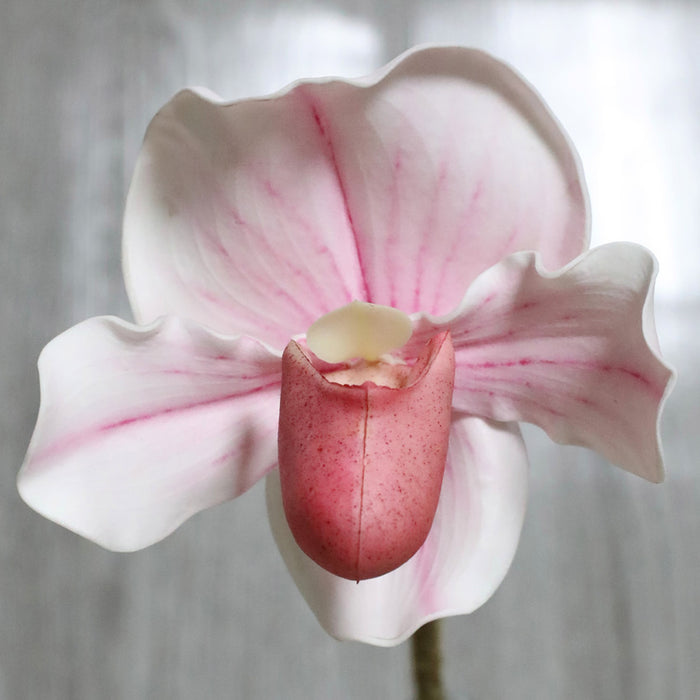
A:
x,y
259,217
574,351
140,428
449,162
466,556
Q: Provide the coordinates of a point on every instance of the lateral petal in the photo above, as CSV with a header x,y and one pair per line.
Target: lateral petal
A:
x,y
573,351
140,428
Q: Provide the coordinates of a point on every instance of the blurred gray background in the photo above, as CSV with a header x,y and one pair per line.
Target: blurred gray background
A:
x,y
603,599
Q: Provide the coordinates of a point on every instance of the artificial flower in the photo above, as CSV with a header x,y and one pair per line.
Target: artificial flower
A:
x,y
441,187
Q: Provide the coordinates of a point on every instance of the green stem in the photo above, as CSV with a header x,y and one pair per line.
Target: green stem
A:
x,y
427,662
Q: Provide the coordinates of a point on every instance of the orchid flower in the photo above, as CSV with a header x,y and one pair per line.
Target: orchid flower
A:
x,y
429,225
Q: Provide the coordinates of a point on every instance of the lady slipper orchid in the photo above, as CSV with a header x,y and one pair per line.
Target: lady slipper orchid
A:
x,y
428,226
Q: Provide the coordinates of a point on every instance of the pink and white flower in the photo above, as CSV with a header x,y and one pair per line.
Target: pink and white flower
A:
x,y
441,187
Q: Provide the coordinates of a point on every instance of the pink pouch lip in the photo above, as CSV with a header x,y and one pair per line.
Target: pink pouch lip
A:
x,y
361,466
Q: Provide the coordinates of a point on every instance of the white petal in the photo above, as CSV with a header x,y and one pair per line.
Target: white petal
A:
x,y
573,351
140,428
260,216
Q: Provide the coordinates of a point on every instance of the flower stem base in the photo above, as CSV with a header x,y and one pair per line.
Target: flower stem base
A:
x,y
427,662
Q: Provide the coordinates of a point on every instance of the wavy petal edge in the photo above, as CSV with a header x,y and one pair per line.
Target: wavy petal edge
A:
x,y
425,324
59,476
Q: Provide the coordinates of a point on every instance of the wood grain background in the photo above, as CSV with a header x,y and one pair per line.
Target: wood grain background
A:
x,y
603,599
